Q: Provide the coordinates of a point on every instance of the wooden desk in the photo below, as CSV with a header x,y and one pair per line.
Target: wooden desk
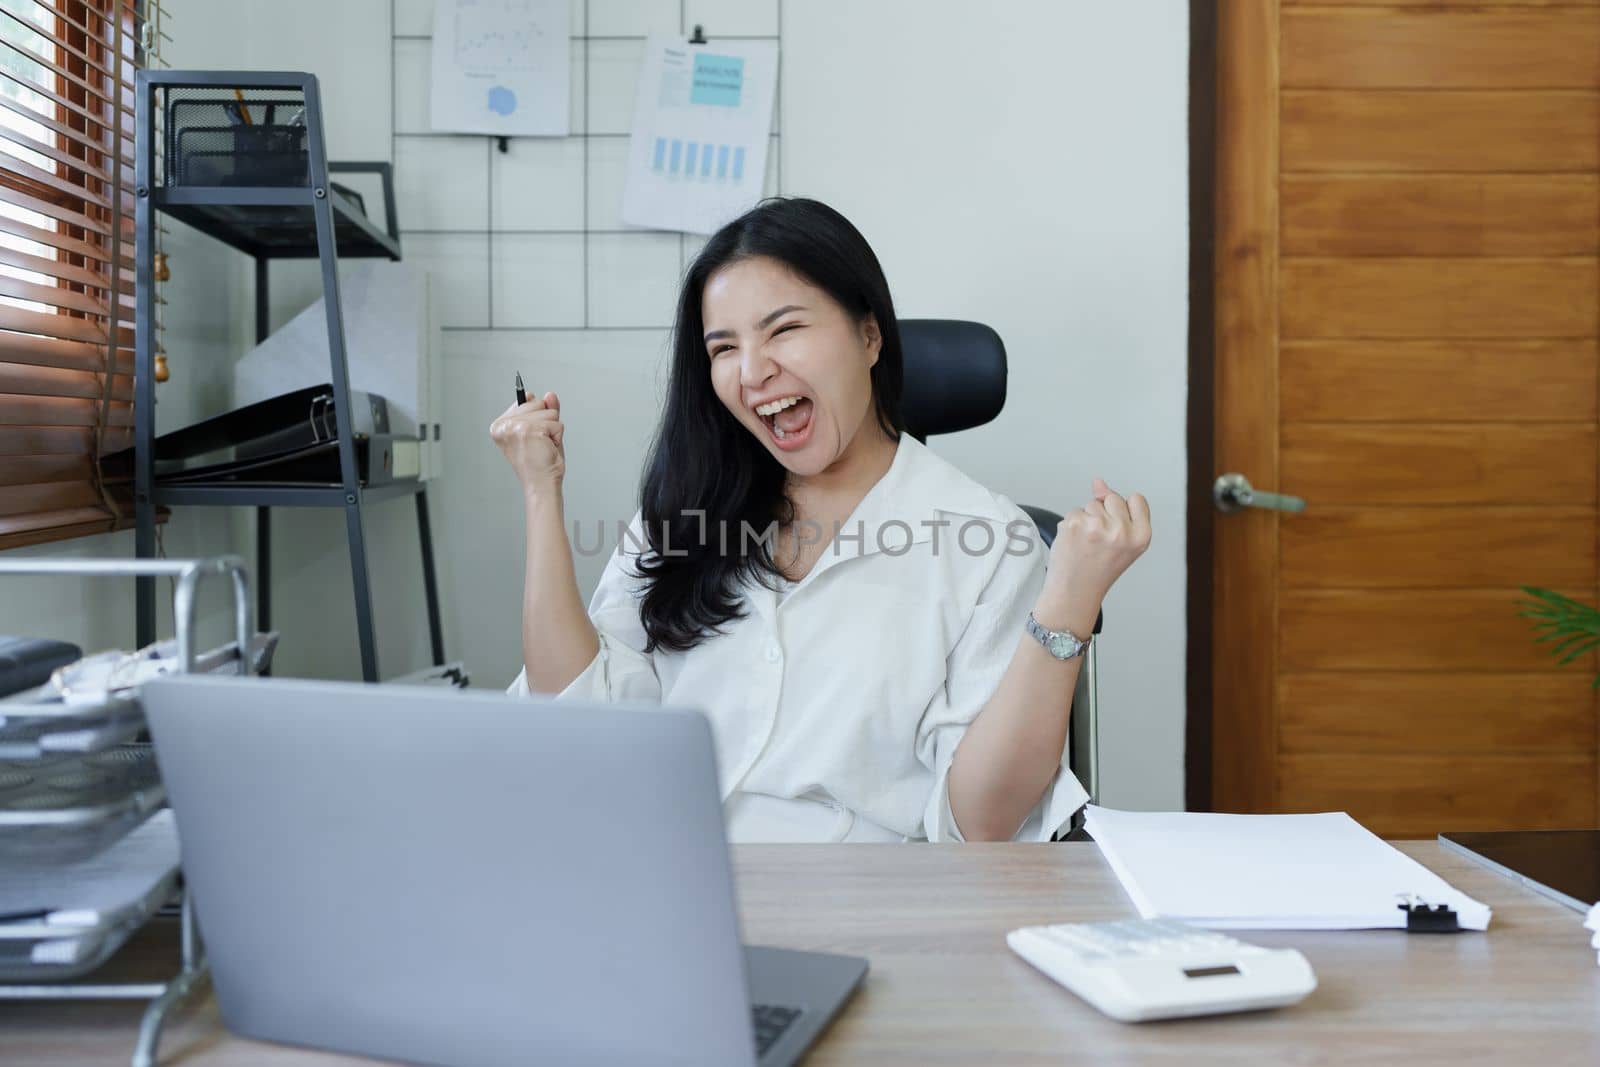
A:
x,y
945,989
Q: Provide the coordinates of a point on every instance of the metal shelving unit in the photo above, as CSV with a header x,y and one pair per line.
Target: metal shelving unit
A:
x,y
221,161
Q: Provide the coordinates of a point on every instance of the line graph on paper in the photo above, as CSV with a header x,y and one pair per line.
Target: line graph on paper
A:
x,y
501,67
497,35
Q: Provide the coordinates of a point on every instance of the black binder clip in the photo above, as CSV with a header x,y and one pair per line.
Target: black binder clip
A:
x,y
1421,918
699,36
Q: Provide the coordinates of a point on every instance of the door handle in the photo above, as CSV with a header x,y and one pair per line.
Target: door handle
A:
x,y
1233,492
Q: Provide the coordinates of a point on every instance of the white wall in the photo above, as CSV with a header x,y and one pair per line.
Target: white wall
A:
x,y
1036,150
1024,164
343,42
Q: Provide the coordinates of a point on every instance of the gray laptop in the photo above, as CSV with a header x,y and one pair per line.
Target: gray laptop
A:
x,y
457,878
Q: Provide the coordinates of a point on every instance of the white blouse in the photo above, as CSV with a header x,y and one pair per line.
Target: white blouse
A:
x,y
837,709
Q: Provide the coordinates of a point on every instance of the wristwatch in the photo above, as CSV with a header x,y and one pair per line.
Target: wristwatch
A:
x,y
1062,644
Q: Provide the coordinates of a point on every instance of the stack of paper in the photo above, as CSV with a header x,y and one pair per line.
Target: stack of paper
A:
x,y
63,899
1268,872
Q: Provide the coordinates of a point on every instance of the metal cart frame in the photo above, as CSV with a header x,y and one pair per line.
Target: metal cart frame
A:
x,y
163,996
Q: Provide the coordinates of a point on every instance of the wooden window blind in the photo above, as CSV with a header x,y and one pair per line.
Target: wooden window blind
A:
x,y
66,265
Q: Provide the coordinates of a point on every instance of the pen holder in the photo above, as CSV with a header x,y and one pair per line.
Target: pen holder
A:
x,y
223,136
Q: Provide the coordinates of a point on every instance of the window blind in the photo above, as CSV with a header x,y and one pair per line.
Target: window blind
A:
x,y
66,264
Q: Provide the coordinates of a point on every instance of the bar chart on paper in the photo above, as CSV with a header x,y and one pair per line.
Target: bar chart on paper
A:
x,y
697,156
691,161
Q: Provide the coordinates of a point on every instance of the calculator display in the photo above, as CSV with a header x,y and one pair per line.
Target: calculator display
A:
x,y
1209,972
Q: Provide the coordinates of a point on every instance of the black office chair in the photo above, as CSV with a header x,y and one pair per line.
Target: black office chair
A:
x,y
955,379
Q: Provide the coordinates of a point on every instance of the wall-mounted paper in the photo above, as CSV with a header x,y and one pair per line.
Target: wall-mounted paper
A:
x,y
502,67
701,119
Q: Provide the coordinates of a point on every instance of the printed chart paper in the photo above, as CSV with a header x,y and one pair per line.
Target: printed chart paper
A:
x,y
698,154
502,67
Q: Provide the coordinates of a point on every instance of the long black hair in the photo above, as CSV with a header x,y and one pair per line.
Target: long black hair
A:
x,y
707,479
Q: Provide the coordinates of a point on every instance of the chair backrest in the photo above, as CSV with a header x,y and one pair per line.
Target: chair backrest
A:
x,y
955,379
955,375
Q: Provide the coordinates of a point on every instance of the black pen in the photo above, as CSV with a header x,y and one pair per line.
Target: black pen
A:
x,y
522,396
25,916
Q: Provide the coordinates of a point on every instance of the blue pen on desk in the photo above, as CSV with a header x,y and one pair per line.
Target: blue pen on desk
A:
x,y
522,396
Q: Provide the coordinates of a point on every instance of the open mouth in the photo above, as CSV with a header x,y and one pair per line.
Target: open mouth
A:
x,y
790,428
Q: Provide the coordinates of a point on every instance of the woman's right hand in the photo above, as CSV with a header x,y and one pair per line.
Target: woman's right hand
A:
x,y
530,436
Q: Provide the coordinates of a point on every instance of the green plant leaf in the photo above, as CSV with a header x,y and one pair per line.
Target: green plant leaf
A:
x,y
1572,625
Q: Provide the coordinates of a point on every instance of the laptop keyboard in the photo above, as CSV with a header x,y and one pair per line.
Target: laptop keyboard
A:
x,y
771,1020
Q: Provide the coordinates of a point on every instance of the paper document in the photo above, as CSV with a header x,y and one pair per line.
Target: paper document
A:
x,y
91,892
502,67
698,154
386,342
389,336
1268,872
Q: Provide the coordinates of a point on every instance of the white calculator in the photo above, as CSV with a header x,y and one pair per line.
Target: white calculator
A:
x,y
1151,969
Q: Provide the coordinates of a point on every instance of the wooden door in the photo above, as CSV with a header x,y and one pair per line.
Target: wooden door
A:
x,y
1407,220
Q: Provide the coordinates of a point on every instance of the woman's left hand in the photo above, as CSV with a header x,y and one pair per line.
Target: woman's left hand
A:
x,y
1094,545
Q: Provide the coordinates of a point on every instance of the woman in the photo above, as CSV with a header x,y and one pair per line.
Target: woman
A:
x,y
851,611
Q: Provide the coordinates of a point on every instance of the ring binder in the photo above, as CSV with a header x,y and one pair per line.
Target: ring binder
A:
x,y
289,439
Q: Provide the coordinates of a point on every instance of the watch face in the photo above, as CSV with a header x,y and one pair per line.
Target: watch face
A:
x,y
1061,646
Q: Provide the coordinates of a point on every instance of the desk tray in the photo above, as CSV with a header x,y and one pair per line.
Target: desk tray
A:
x,y
50,729
81,950
69,809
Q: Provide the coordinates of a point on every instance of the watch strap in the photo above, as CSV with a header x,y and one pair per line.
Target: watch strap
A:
x,y
1062,644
